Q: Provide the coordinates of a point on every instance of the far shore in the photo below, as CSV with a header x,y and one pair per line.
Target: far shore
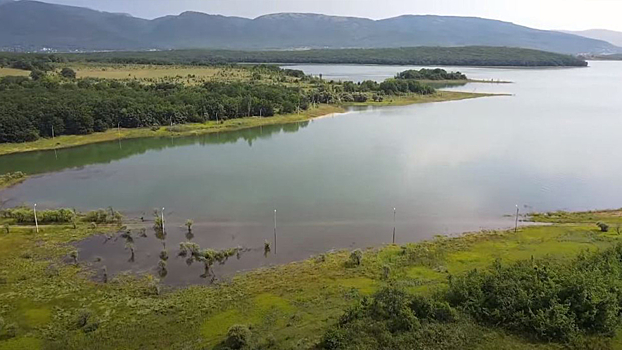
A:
x,y
67,141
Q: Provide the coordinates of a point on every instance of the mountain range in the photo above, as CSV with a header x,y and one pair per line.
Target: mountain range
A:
x,y
31,26
610,36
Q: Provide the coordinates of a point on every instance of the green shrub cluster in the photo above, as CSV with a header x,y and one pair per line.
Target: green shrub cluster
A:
x,y
24,215
9,177
103,216
563,301
394,319
40,62
546,299
430,74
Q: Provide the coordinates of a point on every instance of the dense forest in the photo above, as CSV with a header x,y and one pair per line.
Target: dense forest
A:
x,y
48,104
459,56
43,62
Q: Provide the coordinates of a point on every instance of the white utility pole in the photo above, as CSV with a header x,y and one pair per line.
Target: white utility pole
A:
x,y
394,211
274,231
36,221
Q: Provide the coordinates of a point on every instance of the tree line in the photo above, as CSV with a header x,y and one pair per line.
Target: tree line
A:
x,y
41,62
46,105
424,56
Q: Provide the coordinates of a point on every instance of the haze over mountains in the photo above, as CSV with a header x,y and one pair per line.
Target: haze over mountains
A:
x,y
610,36
32,25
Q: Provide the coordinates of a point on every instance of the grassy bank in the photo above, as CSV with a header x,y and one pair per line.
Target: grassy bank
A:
x,y
48,301
66,141
11,179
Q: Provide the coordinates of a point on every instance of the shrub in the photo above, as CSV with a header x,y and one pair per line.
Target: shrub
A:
x,y
356,257
238,337
549,300
68,73
103,216
603,226
394,319
24,215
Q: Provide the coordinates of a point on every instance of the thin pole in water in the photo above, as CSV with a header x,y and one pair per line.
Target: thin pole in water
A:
x,y
162,218
55,154
516,222
274,231
36,221
394,211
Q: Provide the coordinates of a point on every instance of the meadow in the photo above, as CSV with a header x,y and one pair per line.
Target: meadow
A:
x,y
51,299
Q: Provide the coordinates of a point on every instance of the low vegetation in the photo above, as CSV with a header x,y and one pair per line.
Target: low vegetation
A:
x,y
544,287
10,179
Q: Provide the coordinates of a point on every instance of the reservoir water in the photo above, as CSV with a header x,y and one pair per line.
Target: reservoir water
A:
x,y
446,167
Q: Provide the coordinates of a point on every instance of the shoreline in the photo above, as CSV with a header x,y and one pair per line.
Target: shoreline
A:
x,y
289,302
69,141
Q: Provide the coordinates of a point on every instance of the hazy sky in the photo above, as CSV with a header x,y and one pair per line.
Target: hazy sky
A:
x,y
544,14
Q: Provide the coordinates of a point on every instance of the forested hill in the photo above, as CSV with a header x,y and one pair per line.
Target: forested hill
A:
x,y
458,56
32,25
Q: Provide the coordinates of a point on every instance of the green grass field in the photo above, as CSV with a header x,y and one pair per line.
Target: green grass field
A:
x,y
288,306
11,71
188,74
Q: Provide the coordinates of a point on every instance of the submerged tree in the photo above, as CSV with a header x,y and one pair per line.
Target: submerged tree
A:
x,y
266,248
130,246
189,225
74,256
162,271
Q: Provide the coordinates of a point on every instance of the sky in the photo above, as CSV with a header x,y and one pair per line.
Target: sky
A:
x,y
542,14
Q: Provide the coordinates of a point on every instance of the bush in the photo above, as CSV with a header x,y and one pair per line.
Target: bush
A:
x,y
356,257
238,337
549,300
603,226
24,215
68,73
103,216
394,319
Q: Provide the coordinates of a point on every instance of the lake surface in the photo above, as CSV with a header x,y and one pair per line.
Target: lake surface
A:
x,y
447,167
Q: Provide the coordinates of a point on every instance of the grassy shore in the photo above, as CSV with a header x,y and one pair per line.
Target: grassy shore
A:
x,y
11,179
42,296
66,141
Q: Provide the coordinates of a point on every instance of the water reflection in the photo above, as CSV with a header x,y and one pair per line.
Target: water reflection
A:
x,y
108,254
106,152
448,168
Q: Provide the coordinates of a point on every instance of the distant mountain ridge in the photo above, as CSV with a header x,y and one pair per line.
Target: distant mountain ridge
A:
x,y
33,25
609,36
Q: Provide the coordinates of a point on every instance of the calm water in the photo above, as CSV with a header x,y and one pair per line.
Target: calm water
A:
x,y
447,167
